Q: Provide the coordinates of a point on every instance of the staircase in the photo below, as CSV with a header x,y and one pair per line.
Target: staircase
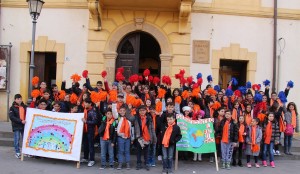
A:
x,y
295,149
6,134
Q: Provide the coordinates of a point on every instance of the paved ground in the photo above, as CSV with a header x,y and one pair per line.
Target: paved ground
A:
x,y
10,165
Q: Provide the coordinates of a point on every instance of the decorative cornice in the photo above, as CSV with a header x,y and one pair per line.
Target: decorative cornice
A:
x,y
64,5
254,11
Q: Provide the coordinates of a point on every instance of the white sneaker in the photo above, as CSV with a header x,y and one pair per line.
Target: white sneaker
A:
x,y
278,153
199,157
195,157
91,163
159,158
274,152
18,155
84,160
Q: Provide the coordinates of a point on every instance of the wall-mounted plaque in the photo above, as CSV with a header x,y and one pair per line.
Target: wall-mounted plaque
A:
x,y
201,49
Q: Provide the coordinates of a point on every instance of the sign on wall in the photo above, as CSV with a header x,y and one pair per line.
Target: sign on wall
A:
x,y
201,50
53,134
197,135
3,67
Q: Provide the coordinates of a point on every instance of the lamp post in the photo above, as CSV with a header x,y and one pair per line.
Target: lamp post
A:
x,y
35,7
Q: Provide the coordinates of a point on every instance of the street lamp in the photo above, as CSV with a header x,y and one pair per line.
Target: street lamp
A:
x,y
35,7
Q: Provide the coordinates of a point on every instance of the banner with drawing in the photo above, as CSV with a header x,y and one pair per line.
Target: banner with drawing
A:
x,y
197,135
53,134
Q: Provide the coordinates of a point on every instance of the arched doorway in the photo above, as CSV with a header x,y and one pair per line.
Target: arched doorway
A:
x,y
139,51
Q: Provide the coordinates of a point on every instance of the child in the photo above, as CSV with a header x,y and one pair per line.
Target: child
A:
x,y
124,135
153,147
271,137
17,113
144,134
248,115
236,111
253,139
241,139
278,113
171,135
56,106
187,113
90,121
108,136
170,110
229,139
42,104
46,96
66,104
290,119
55,93
218,117
74,108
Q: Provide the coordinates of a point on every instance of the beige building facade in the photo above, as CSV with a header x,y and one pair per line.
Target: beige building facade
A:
x,y
94,35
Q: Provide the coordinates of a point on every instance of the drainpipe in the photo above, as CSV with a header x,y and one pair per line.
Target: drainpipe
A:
x,y
274,48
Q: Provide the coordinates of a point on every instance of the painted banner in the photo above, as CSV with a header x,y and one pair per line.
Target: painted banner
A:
x,y
53,134
197,135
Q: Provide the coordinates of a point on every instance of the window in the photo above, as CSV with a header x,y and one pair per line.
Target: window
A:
x,y
127,48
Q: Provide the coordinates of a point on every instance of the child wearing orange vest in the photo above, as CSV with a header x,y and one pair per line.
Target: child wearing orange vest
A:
x,y
253,139
241,139
144,134
218,117
271,137
90,121
152,147
171,135
229,139
108,136
248,114
236,111
290,119
279,117
17,113
124,135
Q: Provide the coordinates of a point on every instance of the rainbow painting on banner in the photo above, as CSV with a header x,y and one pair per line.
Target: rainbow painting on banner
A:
x,y
51,134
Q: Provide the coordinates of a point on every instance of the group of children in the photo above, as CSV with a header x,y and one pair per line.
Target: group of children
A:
x,y
142,114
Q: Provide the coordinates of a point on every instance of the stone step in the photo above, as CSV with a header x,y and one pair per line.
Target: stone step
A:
x,y
7,142
4,134
294,149
295,156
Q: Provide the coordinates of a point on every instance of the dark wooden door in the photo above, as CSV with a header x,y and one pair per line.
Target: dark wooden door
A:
x,y
128,54
39,62
45,67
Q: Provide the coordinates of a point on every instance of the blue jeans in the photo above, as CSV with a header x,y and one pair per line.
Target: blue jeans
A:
x,y
106,147
227,151
151,154
168,157
269,148
18,134
123,150
88,146
288,143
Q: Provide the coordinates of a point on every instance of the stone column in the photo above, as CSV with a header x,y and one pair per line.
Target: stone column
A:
x,y
165,64
110,65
